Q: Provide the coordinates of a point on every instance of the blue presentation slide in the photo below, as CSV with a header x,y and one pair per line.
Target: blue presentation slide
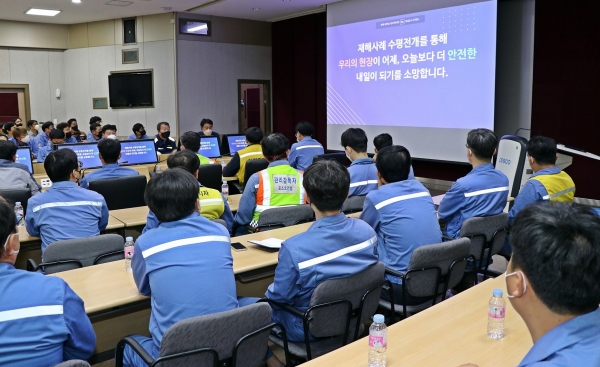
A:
x,y
209,147
433,69
138,152
87,153
24,157
236,142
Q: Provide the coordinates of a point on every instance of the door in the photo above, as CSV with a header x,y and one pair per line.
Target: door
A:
x,y
14,102
254,105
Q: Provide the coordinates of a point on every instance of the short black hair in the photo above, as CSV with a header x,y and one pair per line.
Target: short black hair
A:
x,y
7,150
70,121
483,143
95,119
206,121
94,126
254,135
190,140
160,124
7,126
172,195
47,125
327,184
61,126
137,127
557,246
56,134
382,140
109,127
109,149
60,163
15,119
184,159
542,149
8,225
305,128
31,122
275,146
355,138
393,163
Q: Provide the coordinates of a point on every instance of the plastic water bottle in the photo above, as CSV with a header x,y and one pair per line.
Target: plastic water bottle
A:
x,y
128,253
377,342
225,189
158,169
223,164
19,213
496,313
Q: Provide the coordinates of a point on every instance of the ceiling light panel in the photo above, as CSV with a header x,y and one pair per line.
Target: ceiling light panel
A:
x,y
43,12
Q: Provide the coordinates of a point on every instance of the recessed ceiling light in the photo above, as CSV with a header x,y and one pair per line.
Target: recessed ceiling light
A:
x,y
76,1
255,8
44,12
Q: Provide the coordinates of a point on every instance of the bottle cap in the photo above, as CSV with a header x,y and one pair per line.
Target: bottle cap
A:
x,y
378,318
224,181
18,203
497,292
128,239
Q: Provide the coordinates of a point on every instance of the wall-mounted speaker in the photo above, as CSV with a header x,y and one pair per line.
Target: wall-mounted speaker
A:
x,y
129,31
131,56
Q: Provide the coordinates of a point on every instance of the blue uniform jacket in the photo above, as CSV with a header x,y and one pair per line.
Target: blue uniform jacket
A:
x,y
91,138
573,343
532,192
152,222
133,137
363,177
481,193
64,212
186,268
164,146
302,153
43,320
333,247
109,171
403,215
14,141
43,152
41,140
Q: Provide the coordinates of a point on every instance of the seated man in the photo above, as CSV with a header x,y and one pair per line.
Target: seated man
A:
x,y
32,129
56,137
138,132
163,142
548,182
44,322
481,193
237,164
21,137
363,173
190,141
95,133
303,265
15,175
43,138
66,128
65,211
184,265
264,189
552,283
213,205
109,132
402,213
385,140
206,129
109,152
302,153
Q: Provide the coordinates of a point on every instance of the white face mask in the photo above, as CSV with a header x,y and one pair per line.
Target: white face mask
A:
x,y
26,139
208,132
113,137
38,128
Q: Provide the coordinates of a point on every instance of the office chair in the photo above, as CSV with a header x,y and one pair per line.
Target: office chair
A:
x,y
121,192
211,176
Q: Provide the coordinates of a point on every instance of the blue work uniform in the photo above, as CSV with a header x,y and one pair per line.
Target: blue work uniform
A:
x,y
201,134
43,320
481,193
403,215
152,222
346,246
65,211
14,141
41,140
134,137
91,138
112,170
43,152
71,140
164,146
186,268
363,177
302,153
572,343
16,176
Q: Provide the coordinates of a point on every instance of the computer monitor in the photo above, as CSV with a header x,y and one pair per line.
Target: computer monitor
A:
x,y
87,153
236,142
138,152
209,147
24,157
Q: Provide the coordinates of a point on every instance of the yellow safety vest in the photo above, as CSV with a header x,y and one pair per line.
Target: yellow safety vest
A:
x,y
253,151
203,159
211,203
560,187
278,186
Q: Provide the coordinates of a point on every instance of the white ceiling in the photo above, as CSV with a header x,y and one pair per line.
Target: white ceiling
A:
x,y
94,10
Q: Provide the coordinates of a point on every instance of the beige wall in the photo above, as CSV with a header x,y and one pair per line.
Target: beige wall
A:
x,y
33,35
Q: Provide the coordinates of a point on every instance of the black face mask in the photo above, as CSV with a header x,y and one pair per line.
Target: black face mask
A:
x,y
142,132
68,135
19,125
165,135
75,127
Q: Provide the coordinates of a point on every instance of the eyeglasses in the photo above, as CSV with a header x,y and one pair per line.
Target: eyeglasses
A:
x,y
80,164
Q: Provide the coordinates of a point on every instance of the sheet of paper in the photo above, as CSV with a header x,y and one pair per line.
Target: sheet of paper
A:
x,y
269,242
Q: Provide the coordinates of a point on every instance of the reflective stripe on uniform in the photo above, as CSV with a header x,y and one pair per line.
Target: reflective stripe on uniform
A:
x,y
336,254
309,146
401,198
251,153
560,193
27,312
363,183
486,191
66,203
183,242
